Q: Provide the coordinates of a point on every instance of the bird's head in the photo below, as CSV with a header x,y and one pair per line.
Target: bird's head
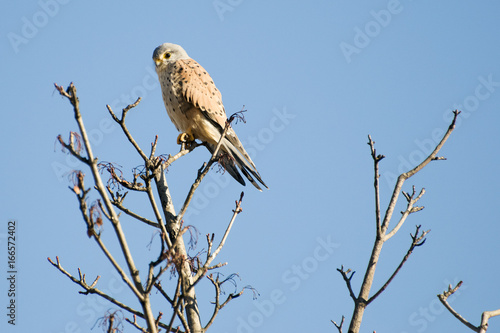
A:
x,y
167,53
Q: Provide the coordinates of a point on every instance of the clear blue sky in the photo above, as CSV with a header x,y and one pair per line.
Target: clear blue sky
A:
x,y
316,79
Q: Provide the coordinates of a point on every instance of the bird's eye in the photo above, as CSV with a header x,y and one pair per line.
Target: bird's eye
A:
x,y
168,55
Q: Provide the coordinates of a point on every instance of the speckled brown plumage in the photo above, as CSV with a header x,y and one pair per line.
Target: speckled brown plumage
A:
x,y
194,104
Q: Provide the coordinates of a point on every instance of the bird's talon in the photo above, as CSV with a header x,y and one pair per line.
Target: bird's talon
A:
x,y
185,138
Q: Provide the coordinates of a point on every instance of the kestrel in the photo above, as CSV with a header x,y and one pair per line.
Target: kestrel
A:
x,y
195,107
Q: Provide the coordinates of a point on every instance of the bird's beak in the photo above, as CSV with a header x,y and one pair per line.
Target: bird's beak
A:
x,y
157,62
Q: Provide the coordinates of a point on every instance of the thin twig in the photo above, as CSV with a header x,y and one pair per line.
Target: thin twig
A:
x,y
127,211
118,268
443,298
216,285
136,324
339,326
416,241
217,306
110,168
177,301
485,316
213,255
409,210
404,176
71,149
125,130
182,152
376,160
91,289
347,280
111,320
153,278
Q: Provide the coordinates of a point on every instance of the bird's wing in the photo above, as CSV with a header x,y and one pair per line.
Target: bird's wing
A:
x,y
199,89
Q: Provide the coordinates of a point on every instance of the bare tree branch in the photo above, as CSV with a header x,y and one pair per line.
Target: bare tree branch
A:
x,y
151,164
71,147
91,289
176,242
173,250
416,241
486,315
136,324
110,326
182,152
213,255
217,306
443,298
118,204
363,299
70,93
156,211
409,209
406,175
339,326
376,160
111,169
175,302
81,194
347,280
125,130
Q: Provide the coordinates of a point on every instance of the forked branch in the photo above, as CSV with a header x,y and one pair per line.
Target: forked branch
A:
x,y
121,122
363,299
90,289
404,176
109,211
410,208
347,278
417,240
173,251
486,315
212,255
217,283
339,326
376,160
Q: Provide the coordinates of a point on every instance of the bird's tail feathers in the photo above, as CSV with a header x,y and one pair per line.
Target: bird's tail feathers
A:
x,y
228,165
245,164
234,159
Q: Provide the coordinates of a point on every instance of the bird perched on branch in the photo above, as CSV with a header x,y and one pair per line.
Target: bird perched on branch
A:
x,y
195,107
